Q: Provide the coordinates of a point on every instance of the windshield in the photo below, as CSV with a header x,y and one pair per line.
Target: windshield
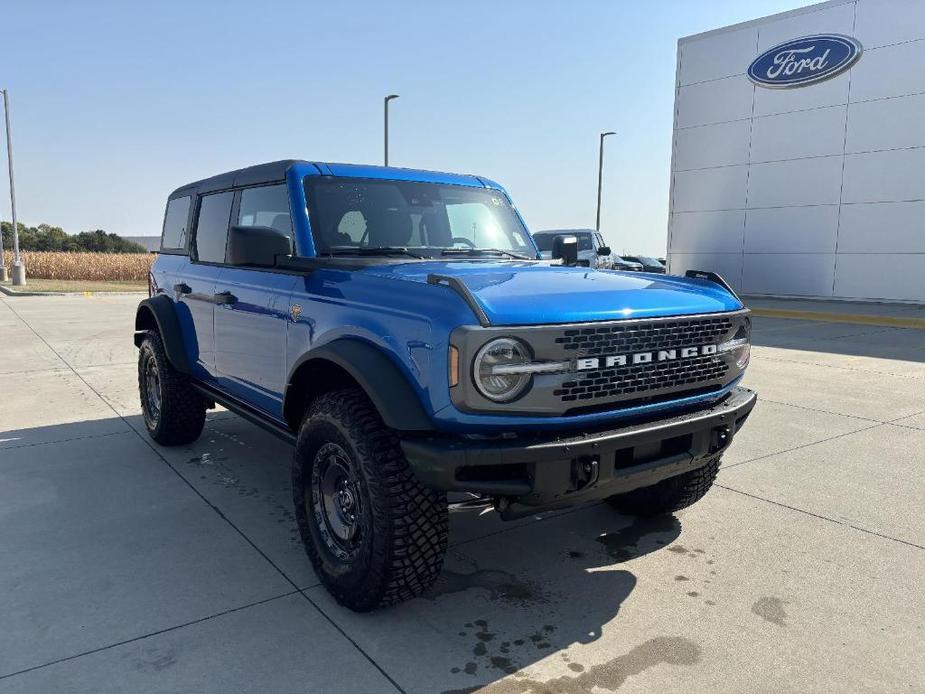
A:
x,y
585,242
647,260
351,215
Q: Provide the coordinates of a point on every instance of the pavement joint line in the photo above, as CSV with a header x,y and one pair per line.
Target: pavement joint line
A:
x,y
217,510
821,517
905,416
148,635
836,366
839,414
56,441
344,633
907,427
805,445
851,318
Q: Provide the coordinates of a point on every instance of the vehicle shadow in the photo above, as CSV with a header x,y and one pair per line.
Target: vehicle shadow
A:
x,y
510,595
840,339
508,600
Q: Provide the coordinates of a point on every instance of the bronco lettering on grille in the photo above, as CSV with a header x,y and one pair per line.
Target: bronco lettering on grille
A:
x,y
591,363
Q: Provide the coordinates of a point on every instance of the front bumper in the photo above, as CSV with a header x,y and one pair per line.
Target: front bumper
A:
x,y
533,473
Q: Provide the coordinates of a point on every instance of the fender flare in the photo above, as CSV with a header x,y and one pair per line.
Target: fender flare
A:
x,y
165,318
378,375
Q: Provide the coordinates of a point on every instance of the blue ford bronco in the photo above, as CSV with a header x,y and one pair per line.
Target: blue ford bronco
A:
x,y
400,329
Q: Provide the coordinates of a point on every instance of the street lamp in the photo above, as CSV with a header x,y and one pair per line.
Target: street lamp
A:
x,y
19,270
600,179
386,105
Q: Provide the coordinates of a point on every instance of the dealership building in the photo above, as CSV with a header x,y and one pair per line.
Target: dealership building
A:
x,y
798,162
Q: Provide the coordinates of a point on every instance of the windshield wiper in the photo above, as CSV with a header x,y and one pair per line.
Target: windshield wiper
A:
x,y
372,250
475,252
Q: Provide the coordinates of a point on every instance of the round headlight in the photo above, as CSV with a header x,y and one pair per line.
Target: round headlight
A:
x,y
495,369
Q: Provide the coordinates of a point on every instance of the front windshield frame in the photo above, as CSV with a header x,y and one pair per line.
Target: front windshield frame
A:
x,y
423,205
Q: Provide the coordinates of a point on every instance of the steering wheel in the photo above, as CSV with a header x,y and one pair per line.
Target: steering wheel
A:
x,y
462,239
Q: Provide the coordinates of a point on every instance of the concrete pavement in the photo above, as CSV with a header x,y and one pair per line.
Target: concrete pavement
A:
x,y
125,566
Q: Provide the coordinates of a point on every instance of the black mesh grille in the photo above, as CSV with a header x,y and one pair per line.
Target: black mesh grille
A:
x,y
644,337
641,378
652,377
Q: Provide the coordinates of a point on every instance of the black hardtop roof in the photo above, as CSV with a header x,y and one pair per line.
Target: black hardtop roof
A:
x,y
270,172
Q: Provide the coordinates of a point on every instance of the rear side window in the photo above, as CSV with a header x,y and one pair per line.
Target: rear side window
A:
x,y
267,206
173,236
212,227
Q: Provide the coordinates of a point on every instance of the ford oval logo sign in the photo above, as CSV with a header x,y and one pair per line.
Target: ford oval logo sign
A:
x,y
804,61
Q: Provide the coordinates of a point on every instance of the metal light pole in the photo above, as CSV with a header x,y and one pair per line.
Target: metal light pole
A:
x,y
19,270
386,105
600,179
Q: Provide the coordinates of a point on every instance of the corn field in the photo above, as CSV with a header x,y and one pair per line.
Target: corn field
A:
x,y
56,265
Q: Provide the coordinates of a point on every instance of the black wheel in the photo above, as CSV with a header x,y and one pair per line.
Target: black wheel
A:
x,y
374,534
668,495
174,412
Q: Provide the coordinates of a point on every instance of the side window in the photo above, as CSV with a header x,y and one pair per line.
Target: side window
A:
x,y
584,242
173,236
212,227
267,206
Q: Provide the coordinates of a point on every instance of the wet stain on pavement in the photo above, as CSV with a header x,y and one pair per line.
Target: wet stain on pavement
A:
x,y
156,661
770,609
608,676
501,586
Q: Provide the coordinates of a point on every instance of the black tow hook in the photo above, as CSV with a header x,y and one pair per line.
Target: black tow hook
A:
x,y
585,472
719,439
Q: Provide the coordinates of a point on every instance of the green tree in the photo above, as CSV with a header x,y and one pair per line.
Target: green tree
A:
x,y
45,237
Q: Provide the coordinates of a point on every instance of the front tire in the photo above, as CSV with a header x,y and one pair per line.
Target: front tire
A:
x,y
174,411
668,496
374,534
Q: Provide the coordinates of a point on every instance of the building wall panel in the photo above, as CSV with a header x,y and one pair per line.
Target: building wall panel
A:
x,y
886,227
715,102
883,22
710,189
806,274
795,182
706,146
798,135
806,229
708,232
815,191
886,124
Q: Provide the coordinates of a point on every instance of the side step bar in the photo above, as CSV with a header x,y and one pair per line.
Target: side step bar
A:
x,y
247,412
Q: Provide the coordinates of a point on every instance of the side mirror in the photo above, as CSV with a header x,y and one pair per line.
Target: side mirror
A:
x,y
603,250
256,246
566,248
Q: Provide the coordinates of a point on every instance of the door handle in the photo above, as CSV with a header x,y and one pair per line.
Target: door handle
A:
x,y
224,298
182,288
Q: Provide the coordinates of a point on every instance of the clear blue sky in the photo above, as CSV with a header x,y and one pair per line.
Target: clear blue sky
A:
x,y
117,103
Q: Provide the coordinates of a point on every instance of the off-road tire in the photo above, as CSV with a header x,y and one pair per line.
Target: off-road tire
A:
x,y
402,526
669,495
181,413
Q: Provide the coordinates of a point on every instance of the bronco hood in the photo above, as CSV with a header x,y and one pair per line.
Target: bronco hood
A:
x,y
534,293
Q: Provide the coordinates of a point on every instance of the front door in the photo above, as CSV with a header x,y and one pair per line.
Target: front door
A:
x,y
252,311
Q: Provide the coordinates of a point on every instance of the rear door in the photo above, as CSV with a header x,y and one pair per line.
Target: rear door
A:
x,y
252,314
195,289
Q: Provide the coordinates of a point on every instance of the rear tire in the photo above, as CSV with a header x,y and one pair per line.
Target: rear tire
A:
x,y
174,411
374,534
668,496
